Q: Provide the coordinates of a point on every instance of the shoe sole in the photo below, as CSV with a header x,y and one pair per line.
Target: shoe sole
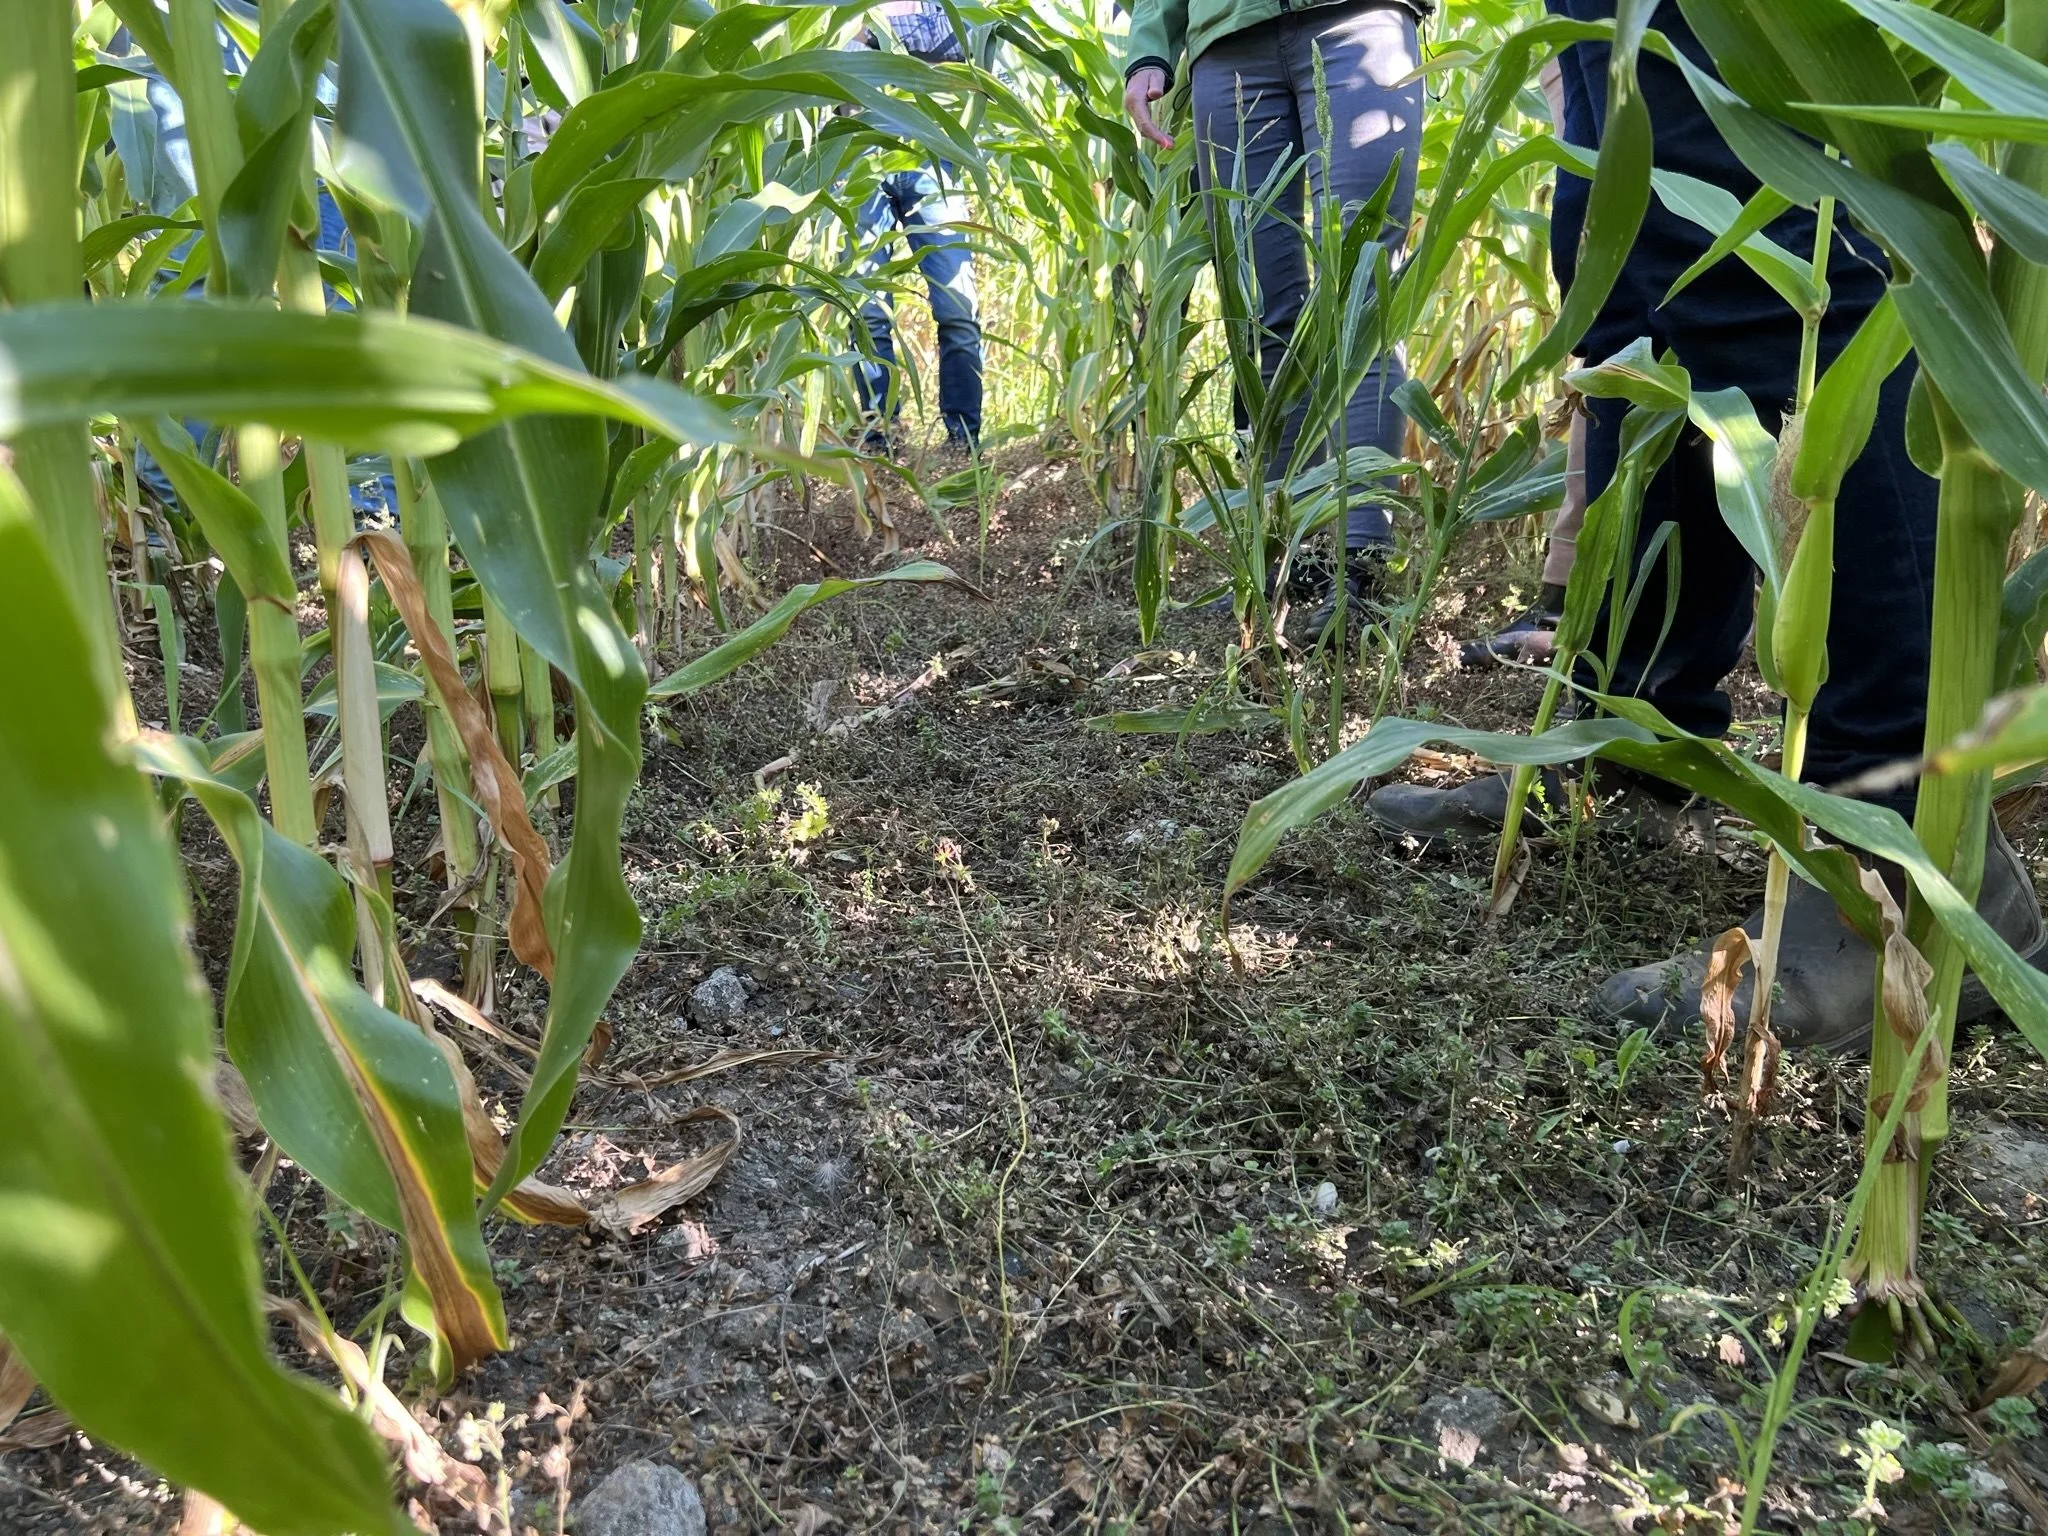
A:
x,y
1446,834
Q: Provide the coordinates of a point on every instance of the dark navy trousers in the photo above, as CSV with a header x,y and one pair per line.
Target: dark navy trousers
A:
x,y
1729,328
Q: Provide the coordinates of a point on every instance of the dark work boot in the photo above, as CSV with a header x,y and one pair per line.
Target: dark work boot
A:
x,y
1365,587
1529,636
1479,808
1827,974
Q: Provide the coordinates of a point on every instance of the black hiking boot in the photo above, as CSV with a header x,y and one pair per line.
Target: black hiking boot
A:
x,y
1478,808
1365,587
1308,581
1529,636
1826,972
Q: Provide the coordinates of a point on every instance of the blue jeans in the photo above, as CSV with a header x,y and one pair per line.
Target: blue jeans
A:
x,y
1255,108
916,203
1730,329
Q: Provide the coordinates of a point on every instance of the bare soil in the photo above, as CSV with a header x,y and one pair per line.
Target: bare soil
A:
x,y
1082,1226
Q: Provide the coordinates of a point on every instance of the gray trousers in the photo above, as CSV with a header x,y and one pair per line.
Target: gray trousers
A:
x,y
1255,108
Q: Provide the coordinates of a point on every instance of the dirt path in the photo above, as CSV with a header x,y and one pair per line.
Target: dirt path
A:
x,y
1080,1229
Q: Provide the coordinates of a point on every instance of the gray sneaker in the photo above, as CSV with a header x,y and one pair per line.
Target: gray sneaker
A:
x,y
1478,808
1827,974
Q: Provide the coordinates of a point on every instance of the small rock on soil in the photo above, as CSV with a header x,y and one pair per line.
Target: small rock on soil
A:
x,y
719,998
1462,1421
642,1498
2007,1170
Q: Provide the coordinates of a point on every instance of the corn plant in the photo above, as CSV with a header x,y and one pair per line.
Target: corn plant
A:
x,y
608,288
1924,132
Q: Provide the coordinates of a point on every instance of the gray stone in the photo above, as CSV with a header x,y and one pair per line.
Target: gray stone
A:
x,y
1985,1484
1324,1201
719,998
642,1498
1460,1422
2006,1170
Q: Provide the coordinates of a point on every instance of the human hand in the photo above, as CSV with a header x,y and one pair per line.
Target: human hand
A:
x,y
1140,91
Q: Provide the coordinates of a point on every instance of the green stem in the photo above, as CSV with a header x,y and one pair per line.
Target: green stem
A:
x,y
643,577
538,685
505,680
1777,889
345,595
1518,793
275,654
1814,1297
425,526
1979,507
1809,334
209,110
1991,505
39,262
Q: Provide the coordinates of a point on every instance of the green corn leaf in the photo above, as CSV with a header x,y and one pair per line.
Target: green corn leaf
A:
x,y
1636,375
1765,205
414,385
1997,127
2020,989
2023,621
1538,490
128,1274
570,54
1385,747
1946,301
145,24
1420,407
1637,737
2001,78
523,503
234,525
1614,207
1525,475
723,660
356,1095
1647,438
2014,730
2016,212
396,687
642,465
273,111
1744,454
682,115
588,220
1844,406
1736,227
103,244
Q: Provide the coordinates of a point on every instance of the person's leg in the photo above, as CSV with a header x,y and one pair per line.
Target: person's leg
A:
x,y
1246,125
1872,709
947,262
1368,55
1729,330
1562,547
874,378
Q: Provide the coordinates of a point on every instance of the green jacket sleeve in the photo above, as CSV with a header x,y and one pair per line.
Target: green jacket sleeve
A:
x,y
1159,34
